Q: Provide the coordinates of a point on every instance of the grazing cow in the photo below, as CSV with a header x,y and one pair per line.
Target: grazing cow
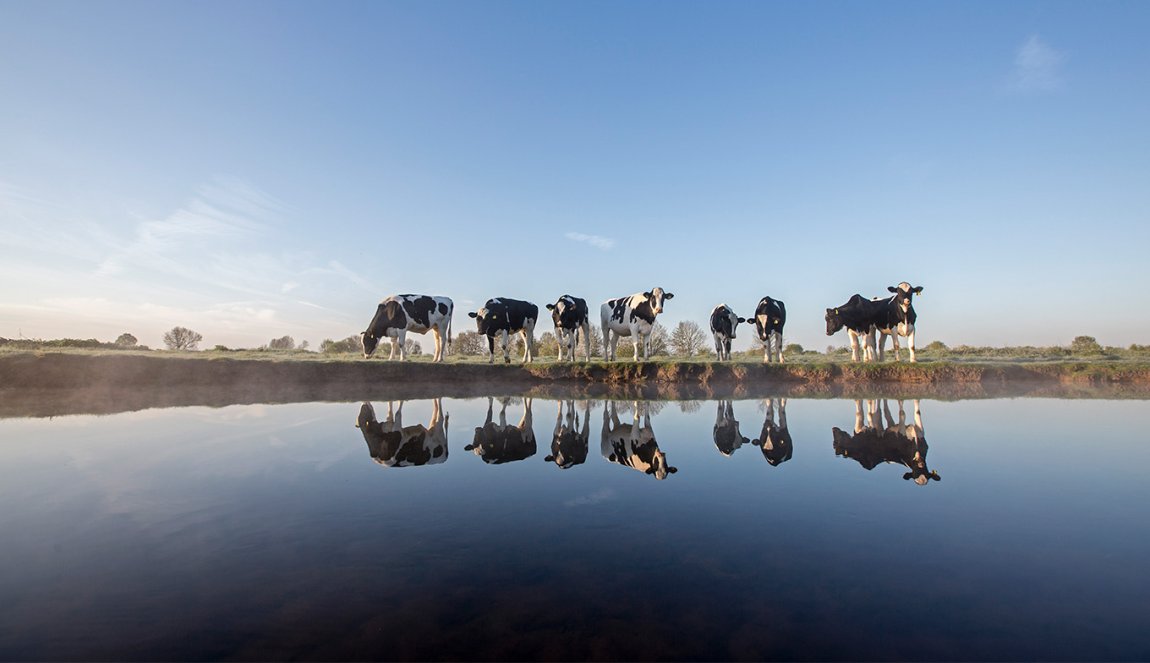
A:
x,y
570,443
900,443
858,315
775,440
632,316
726,432
505,316
571,316
898,319
723,324
770,316
399,314
501,443
392,444
632,445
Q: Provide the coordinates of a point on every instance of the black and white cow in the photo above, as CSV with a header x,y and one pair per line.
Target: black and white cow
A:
x,y
392,444
859,316
726,433
775,440
632,316
399,314
770,317
503,316
633,445
898,319
723,324
570,443
501,443
898,442
571,317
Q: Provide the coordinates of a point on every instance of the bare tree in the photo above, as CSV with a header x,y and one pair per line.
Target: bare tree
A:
x,y
469,343
687,339
658,340
412,347
282,343
182,338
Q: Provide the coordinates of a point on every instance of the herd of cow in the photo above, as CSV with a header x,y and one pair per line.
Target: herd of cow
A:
x,y
634,317
633,444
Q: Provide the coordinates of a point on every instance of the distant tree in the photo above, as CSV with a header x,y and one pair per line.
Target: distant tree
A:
x,y
660,343
221,348
687,339
126,341
282,343
547,345
792,349
596,341
182,338
412,347
303,345
349,345
469,343
1083,345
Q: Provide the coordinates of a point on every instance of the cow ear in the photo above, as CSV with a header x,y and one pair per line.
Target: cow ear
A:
x,y
918,290
672,470
646,294
891,288
742,319
550,307
669,295
472,314
550,459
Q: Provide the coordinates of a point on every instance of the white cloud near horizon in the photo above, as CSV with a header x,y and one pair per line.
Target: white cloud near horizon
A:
x,y
598,241
1037,67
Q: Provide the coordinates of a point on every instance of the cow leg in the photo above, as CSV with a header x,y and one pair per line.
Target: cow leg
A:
x,y
854,337
561,337
391,355
438,344
490,349
614,346
869,339
636,340
399,416
858,417
779,345
503,339
910,342
586,341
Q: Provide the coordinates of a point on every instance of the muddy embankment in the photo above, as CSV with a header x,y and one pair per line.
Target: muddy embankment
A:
x,y
50,384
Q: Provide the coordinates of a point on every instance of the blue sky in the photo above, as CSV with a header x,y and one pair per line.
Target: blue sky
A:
x,y
256,169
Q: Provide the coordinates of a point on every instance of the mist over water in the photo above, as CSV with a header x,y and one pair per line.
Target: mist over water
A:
x,y
530,528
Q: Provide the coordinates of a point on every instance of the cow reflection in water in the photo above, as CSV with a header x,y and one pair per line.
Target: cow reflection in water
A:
x,y
775,440
897,442
569,443
633,445
726,432
500,443
392,444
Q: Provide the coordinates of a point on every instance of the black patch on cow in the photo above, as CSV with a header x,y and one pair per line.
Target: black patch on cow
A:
x,y
776,313
644,312
505,315
721,322
574,314
419,308
388,315
859,314
442,308
618,309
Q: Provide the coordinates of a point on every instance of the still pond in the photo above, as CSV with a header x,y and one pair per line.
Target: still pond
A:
x,y
477,529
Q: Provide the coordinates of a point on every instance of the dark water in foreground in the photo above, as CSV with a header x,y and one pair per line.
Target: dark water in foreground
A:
x,y
271,532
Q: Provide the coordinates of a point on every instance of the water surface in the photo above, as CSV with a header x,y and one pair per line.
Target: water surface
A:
x,y
986,529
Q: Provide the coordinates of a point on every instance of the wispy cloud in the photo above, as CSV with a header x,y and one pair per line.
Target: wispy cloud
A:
x,y
601,495
1037,67
599,242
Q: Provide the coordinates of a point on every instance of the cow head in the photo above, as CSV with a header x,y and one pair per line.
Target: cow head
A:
x,y
835,321
563,313
732,319
903,294
368,343
484,320
659,467
655,299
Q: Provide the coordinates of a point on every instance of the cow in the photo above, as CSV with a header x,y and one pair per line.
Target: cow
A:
x,y
770,317
399,314
632,316
570,316
501,443
632,445
775,440
858,315
726,432
505,316
570,443
898,319
392,444
898,442
723,324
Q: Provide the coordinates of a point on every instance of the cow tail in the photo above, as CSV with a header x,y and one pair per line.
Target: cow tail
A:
x,y
450,316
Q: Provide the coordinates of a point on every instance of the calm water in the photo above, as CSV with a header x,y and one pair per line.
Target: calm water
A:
x,y
996,529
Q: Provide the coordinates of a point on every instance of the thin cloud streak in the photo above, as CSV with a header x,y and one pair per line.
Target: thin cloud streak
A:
x,y
598,241
1037,67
